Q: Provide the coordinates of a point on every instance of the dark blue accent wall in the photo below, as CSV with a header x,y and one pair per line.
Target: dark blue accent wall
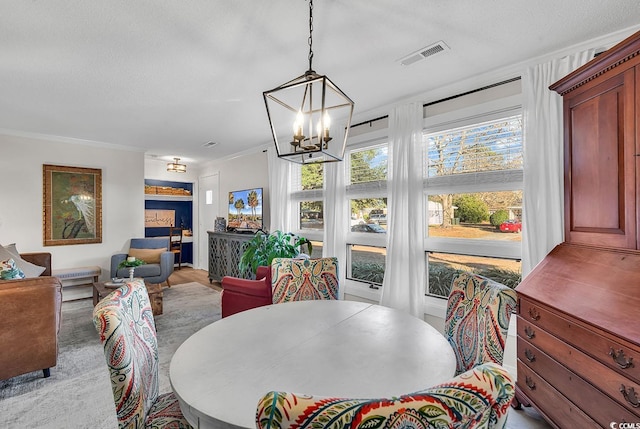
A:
x,y
182,206
184,215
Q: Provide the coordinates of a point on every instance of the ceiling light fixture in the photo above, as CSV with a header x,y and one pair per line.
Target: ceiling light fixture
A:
x,y
300,113
176,167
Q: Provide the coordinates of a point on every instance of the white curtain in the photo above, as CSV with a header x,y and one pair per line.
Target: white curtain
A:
x,y
543,205
336,217
404,278
279,198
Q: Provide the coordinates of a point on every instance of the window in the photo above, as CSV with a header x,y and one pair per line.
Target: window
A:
x,y
311,215
473,207
481,215
368,212
367,264
443,266
366,194
307,193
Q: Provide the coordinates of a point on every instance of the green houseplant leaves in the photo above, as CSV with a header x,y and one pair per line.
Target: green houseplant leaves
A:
x,y
262,248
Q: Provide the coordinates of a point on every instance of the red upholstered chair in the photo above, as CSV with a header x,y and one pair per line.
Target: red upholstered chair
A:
x,y
243,294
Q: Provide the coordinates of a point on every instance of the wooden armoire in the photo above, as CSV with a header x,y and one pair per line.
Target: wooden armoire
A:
x,y
578,315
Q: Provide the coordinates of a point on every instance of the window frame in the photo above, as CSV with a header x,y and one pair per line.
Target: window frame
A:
x,y
490,181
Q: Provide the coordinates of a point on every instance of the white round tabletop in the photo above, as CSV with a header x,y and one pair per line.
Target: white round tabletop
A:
x,y
327,348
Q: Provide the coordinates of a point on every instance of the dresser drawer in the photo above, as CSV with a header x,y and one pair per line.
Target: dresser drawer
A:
x,y
592,400
622,357
561,411
599,375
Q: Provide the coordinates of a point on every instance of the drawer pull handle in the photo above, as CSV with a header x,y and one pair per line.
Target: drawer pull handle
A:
x,y
530,384
630,396
529,355
619,358
533,313
530,333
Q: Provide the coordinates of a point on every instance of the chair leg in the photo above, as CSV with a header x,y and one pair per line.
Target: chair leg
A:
x,y
46,372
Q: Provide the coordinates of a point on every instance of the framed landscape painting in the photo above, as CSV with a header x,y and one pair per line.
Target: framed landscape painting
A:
x,y
72,205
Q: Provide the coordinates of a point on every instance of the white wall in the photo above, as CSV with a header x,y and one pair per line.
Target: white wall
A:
x,y
21,208
246,171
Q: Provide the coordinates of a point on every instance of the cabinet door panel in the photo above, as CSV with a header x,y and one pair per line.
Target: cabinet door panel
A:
x,y
600,164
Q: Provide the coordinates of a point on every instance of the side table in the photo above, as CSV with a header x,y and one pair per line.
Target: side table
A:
x,y
154,291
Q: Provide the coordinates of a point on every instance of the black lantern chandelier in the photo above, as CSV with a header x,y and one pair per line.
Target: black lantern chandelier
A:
x,y
301,111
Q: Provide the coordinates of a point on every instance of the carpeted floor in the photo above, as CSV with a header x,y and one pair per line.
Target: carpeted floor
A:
x,y
78,393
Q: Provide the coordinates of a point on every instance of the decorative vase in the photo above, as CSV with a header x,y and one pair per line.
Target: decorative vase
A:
x,y
220,224
131,270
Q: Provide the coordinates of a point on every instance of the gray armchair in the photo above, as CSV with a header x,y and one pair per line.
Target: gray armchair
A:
x,y
152,271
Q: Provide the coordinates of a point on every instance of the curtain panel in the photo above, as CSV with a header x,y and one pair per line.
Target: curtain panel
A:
x,y
404,278
543,205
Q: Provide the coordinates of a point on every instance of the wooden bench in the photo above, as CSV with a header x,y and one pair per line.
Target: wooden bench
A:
x,y
77,282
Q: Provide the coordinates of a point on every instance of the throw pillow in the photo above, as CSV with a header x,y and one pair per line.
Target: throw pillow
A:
x,y
150,256
30,270
9,271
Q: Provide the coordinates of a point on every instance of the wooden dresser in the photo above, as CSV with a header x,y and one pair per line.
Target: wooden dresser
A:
x,y
578,340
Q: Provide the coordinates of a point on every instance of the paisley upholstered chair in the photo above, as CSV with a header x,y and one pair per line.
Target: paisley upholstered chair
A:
x,y
478,398
304,279
477,319
127,331
285,280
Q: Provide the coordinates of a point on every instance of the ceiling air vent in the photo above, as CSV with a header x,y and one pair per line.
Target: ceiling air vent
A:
x,y
423,53
210,144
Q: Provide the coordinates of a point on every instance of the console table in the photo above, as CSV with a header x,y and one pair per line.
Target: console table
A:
x,y
225,250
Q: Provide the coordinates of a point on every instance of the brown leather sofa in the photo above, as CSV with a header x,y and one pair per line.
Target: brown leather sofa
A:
x,y
30,314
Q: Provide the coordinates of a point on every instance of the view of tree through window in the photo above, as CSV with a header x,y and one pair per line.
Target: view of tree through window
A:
x,y
486,155
312,176
489,146
481,215
368,165
311,215
310,211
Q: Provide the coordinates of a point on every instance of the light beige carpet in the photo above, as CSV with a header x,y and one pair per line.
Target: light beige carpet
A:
x,y
78,393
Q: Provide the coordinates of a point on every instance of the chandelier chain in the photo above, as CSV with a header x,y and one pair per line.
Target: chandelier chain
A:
x,y
310,34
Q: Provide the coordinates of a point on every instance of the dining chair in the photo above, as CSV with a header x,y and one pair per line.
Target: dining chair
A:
x,y
477,319
285,280
304,279
175,243
478,398
127,331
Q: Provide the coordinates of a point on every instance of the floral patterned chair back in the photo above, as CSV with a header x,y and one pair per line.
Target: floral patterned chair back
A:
x,y
478,398
304,279
127,331
477,319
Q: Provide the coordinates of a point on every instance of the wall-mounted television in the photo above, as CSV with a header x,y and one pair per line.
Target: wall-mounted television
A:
x,y
245,210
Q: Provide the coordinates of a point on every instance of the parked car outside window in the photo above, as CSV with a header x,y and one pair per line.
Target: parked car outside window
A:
x,y
368,227
379,218
512,225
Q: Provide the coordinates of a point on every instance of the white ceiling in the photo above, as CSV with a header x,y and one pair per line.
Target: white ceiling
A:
x,y
167,76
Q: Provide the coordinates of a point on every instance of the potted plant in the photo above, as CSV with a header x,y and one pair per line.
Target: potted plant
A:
x,y
131,262
263,248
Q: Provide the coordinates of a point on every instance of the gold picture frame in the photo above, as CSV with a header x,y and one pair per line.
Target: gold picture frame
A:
x,y
72,205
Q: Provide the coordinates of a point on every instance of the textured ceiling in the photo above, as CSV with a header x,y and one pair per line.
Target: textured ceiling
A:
x,y
168,76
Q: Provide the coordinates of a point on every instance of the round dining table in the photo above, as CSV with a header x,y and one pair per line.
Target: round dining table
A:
x,y
326,348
